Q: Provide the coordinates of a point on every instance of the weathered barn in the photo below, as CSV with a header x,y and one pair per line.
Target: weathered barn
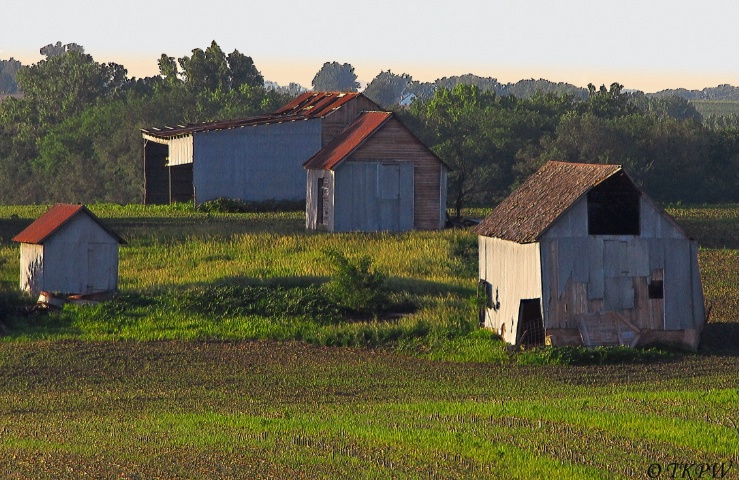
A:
x,y
579,255
252,159
68,250
376,175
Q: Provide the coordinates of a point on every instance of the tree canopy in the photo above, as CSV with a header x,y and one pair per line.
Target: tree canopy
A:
x,y
74,135
335,77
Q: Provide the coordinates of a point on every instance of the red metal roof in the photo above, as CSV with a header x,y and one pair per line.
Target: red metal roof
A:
x,y
48,223
306,106
365,125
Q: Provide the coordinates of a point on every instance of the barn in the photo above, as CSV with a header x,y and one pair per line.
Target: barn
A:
x,y
578,255
376,175
68,250
252,159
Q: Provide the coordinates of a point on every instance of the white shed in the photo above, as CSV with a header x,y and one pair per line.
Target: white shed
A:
x,y
68,250
578,255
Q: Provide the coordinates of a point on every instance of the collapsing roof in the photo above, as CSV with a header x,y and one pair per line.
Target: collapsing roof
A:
x,y
306,106
54,218
529,211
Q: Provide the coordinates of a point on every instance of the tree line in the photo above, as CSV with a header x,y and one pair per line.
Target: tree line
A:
x,y
74,135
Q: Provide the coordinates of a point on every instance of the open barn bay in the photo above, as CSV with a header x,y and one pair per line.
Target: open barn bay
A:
x,y
177,380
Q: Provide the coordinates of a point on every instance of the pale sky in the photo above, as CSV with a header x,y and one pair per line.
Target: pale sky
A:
x,y
648,45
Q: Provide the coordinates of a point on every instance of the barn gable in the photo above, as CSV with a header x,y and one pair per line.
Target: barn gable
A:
x,y
615,268
376,175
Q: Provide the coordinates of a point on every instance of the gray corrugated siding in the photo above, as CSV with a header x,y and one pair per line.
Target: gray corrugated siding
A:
x,y
258,163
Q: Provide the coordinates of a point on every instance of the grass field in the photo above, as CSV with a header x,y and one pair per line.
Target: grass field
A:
x,y
172,382
719,108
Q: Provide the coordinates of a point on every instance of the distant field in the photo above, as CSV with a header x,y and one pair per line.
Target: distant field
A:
x,y
178,379
720,108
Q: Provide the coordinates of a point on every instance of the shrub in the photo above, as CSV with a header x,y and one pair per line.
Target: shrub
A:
x,y
356,286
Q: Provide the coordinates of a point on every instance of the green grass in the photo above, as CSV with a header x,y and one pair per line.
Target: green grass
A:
x,y
223,359
287,410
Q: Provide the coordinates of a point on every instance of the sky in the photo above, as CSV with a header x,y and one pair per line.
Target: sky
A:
x,y
647,45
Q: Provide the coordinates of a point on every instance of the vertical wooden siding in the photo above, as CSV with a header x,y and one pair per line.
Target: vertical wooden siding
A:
x,y
336,121
395,143
587,276
514,271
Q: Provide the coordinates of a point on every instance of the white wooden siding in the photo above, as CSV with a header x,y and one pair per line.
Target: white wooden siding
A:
x,y
514,271
79,258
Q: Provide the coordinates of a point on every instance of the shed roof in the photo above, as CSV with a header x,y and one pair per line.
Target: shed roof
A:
x,y
354,135
306,106
53,219
530,210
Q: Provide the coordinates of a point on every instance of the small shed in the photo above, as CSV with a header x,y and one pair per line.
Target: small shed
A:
x,y
578,255
376,175
68,250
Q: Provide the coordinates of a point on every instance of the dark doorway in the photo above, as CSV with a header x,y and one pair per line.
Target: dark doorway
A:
x,y
180,183
530,323
156,174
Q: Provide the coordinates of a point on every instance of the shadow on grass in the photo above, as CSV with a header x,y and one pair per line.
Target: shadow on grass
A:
x,y
720,338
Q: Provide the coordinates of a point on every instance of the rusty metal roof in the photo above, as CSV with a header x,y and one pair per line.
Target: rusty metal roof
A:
x,y
529,211
306,106
365,125
54,218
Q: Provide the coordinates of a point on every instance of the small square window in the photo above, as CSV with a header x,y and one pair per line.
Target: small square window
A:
x,y
656,290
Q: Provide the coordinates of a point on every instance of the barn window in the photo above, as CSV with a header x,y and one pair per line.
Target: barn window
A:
x,y
613,207
656,290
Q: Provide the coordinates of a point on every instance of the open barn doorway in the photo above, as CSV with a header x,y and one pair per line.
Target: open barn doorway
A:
x,y
530,323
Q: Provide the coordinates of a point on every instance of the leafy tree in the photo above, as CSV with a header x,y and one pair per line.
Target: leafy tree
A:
x,y
608,103
8,73
63,85
56,50
455,130
335,77
168,70
387,88
243,71
211,69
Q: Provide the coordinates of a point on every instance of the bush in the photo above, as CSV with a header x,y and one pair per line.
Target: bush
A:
x,y
234,205
356,286
589,356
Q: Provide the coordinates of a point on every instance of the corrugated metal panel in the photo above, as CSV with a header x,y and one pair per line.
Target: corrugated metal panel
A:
x,y
180,150
257,164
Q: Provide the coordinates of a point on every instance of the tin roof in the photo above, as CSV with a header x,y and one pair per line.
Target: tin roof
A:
x,y
306,106
363,127
531,209
53,219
